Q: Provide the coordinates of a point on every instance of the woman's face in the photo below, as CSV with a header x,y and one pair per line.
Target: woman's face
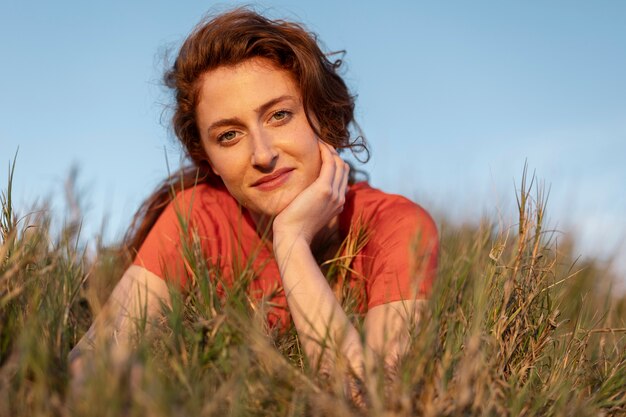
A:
x,y
256,134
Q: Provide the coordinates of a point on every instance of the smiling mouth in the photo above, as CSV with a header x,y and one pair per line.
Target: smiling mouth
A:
x,y
273,180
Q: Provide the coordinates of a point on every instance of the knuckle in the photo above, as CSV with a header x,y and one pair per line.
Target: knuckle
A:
x,y
327,192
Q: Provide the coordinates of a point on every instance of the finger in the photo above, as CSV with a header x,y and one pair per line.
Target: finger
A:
x,y
341,175
330,147
342,186
342,167
345,179
340,172
328,169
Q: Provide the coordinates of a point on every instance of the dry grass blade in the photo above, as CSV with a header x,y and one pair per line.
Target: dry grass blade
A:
x,y
511,329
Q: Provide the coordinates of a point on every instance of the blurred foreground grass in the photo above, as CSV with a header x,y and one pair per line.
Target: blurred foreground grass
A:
x,y
514,327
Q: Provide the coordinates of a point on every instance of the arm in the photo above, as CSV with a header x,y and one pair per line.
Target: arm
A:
x,y
322,325
402,277
325,329
387,329
142,290
316,313
138,296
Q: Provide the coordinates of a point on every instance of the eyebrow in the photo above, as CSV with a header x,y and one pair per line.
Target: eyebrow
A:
x,y
264,107
259,110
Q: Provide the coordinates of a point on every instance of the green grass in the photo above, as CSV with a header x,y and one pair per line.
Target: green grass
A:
x,y
515,326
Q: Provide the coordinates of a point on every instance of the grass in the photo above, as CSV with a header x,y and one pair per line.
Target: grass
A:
x,y
514,327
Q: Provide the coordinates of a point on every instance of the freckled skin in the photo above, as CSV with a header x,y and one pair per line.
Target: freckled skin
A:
x,y
256,139
252,124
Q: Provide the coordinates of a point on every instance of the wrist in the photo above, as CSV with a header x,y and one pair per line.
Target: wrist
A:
x,y
288,236
288,241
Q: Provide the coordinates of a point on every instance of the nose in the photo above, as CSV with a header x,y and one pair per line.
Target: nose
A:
x,y
264,154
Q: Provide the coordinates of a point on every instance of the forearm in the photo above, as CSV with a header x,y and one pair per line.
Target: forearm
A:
x,y
137,297
323,327
387,329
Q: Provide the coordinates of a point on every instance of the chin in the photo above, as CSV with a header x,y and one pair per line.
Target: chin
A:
x,y
273,207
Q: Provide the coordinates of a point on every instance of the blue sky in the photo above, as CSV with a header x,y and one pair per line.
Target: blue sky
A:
x,y
453,97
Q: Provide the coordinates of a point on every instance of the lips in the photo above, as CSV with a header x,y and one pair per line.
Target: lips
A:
x,y
273,180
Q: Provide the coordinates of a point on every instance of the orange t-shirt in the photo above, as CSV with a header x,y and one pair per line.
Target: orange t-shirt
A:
x,y
398,260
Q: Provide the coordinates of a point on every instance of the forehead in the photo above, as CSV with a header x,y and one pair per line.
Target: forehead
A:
x,y
229,90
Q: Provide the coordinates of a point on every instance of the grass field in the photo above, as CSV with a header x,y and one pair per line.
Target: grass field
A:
x,y
514,327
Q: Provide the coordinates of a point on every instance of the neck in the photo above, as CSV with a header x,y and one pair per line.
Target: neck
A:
x,y
263,225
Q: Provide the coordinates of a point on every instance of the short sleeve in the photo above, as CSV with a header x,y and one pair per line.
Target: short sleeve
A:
x,y
404,253
162,252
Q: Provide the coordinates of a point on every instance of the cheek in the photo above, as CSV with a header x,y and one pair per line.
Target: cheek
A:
x,y
211,158
231,177
317,160
313,160
225,163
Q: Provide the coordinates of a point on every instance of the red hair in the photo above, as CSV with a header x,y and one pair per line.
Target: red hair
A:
x,y
229,39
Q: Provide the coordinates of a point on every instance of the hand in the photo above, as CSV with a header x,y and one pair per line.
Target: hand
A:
x,y
317,204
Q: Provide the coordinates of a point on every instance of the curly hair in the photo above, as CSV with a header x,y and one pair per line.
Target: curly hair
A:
x,y
227,40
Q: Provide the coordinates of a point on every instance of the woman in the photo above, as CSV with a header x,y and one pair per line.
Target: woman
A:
x,y
260,111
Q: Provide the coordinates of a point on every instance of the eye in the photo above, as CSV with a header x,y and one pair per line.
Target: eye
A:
x,y
281,115
227,136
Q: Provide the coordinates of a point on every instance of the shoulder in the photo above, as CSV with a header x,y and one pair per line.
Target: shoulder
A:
x,y
202,201
200,195
388,214
204,209
400,256
200,211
